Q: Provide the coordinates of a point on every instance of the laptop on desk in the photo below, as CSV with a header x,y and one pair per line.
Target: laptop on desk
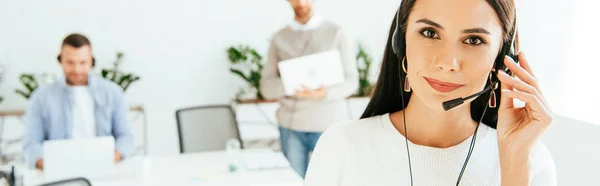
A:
x,y
314,70
88,158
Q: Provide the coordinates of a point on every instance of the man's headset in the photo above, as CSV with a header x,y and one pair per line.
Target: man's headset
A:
x,y
508,49
93,60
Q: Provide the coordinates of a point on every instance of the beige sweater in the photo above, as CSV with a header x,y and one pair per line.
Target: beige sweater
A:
x,y
310,115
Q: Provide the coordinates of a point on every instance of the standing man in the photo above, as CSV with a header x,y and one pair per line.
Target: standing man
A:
x,y
305,116
79,106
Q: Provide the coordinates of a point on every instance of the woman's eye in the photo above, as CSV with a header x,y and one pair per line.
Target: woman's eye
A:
x,y
473,41
429,33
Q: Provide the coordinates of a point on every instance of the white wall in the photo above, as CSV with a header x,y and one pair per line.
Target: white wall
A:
x,y
178,46
555,38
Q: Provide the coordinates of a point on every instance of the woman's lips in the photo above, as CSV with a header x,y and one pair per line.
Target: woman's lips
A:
x,y
441,86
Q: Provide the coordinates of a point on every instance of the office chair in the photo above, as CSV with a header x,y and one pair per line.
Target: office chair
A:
x,y
206,128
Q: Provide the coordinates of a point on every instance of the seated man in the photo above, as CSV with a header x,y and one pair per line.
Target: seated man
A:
x,y
79,106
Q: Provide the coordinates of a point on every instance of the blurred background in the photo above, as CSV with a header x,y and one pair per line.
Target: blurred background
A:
x,y
178,48
179,51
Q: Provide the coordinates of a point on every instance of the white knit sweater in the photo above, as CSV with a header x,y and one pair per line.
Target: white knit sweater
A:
x,y
371,152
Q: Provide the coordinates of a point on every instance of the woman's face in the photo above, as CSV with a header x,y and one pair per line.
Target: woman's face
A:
x,y
450,48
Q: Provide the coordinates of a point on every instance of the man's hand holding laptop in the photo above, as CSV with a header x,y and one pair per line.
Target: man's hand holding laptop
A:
x,y
304,92
118,156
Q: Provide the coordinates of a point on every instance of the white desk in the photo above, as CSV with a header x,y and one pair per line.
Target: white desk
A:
x,y
202,169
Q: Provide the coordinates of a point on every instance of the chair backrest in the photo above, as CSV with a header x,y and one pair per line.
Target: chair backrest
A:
x,y
70,182
206,128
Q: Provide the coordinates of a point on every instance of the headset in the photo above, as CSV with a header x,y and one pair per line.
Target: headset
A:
x,y
508,49
93,60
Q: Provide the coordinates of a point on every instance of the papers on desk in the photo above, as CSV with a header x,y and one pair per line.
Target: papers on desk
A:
x,y
264,160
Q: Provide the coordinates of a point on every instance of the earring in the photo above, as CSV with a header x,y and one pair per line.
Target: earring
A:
x,y
492,102
406,84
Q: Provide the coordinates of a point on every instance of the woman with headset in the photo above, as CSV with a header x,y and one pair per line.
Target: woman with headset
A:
x,y
442,112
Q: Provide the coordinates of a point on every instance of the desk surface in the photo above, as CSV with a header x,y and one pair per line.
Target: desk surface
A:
x,y
16,113
202,169
20,112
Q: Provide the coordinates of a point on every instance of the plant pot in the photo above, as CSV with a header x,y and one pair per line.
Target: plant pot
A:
x,y
255,101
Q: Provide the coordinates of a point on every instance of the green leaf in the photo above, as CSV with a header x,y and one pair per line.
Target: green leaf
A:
x,y
104,73
123,79
259,95
114,76
30,84
130,81
244,54
236,55
365,86
255,55
20,92
255,79
239,73
118,61
126,80
134,78
125,84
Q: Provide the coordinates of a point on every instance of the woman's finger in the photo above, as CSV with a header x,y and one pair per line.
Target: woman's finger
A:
x,y
519,85
535,109
530,100
520,72
524,63
505,101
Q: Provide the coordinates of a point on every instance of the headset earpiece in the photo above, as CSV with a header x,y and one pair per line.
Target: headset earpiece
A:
x,y
508,49
396,35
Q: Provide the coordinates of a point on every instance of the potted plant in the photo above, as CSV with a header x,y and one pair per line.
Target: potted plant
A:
x,y
364,62
122,79
115,75
246,63
30,83
359,101
250,105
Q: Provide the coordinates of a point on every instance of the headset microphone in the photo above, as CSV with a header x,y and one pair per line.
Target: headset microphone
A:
x,y
458,101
